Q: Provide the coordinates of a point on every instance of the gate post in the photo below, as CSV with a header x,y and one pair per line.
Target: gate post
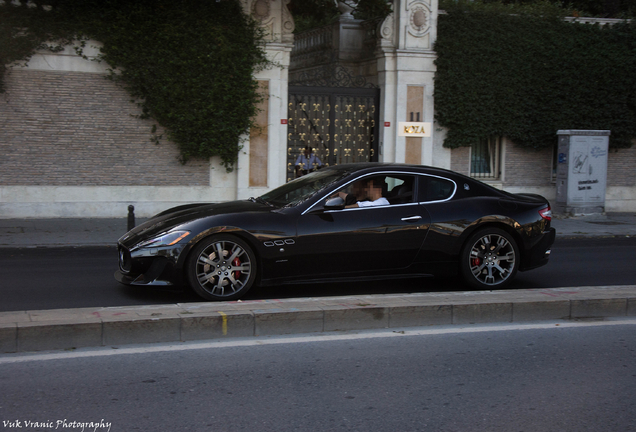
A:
x,y
406,71
261,162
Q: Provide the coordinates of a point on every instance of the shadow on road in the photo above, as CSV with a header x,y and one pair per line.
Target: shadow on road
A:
x,y
415,285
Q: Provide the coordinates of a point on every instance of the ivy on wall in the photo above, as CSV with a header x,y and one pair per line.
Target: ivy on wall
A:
x,y
525,74
189,64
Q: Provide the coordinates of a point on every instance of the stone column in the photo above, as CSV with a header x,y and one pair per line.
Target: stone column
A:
x,y
261,164
406,71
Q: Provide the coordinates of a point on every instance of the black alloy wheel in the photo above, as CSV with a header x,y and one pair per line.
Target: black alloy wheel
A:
x,y
221,267
490,259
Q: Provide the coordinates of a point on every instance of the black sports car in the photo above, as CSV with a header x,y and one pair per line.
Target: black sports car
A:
x,y
346,222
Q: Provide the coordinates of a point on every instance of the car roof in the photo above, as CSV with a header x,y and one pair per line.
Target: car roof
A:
x,y
373,166
476,186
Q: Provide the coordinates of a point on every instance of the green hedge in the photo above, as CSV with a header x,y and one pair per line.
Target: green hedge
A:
x,y
189,64
525,76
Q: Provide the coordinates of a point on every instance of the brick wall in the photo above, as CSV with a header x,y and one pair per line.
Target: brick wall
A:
x,y
460,160
621,166
527,167
79,129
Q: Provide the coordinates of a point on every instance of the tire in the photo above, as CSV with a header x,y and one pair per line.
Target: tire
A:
x,y
221,267
489,259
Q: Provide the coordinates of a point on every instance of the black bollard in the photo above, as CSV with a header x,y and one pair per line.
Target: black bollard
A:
x,y
131,217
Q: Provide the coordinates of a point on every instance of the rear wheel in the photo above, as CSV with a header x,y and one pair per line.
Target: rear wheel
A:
x,y
490,259
222,267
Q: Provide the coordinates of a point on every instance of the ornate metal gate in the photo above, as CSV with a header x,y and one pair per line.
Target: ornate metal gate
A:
x,y
339,124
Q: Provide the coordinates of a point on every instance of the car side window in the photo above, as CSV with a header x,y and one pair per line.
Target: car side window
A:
x,y
365,192
378,190
399,189
436,189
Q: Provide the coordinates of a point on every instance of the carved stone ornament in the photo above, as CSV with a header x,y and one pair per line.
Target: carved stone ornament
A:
x,y
386,32
386,27
261,9
346,7
288,24
419,19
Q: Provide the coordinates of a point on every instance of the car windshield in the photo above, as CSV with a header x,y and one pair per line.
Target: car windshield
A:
x,y
299,190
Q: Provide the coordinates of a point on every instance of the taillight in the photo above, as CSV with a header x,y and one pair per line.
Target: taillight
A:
x,y
546,213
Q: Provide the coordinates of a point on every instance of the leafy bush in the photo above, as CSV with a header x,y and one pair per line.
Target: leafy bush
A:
x,y
528,74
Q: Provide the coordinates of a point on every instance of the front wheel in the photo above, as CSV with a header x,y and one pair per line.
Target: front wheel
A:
x,y
222,267
490,259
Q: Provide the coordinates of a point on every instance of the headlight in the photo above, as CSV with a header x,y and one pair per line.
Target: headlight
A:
x,y
167,239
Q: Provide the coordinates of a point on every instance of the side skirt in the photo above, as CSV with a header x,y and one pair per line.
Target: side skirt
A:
x,y
342,279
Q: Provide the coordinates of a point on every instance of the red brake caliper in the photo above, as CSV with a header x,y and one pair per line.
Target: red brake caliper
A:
x,y
476,261
236,263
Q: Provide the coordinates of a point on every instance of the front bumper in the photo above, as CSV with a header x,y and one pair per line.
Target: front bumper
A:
x,y
147,268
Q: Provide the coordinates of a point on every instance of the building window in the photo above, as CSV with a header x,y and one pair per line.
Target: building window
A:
x,y
485,158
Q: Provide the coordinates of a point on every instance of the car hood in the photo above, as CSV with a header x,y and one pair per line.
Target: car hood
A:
x,y
176,216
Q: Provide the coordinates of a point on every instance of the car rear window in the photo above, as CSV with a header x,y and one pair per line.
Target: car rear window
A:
x,y
435,189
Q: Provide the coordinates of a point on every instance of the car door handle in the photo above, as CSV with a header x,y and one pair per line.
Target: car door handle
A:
x,y
411,218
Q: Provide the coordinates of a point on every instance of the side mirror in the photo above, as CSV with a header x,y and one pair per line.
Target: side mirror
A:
x,y
335,203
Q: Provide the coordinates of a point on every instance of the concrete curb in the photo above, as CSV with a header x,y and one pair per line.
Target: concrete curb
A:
x,y
94,327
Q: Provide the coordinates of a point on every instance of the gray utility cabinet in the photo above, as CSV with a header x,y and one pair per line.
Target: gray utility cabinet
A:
x,y
581,171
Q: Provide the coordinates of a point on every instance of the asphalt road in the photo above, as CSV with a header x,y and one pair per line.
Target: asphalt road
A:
x,y
57,278
546,377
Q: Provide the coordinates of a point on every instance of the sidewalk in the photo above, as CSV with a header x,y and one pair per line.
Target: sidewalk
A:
x,y
62,232
606,225
106,232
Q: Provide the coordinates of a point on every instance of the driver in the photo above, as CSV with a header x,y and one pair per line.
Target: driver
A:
x,y
366,193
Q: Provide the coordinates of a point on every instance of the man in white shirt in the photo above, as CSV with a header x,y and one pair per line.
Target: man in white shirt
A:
x,y
371,190
307,162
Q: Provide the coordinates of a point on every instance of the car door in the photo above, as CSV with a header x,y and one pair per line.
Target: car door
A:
x,y
449,218
356,241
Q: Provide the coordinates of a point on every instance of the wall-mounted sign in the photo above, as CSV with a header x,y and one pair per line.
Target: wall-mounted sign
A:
x,y
387,124
415,129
